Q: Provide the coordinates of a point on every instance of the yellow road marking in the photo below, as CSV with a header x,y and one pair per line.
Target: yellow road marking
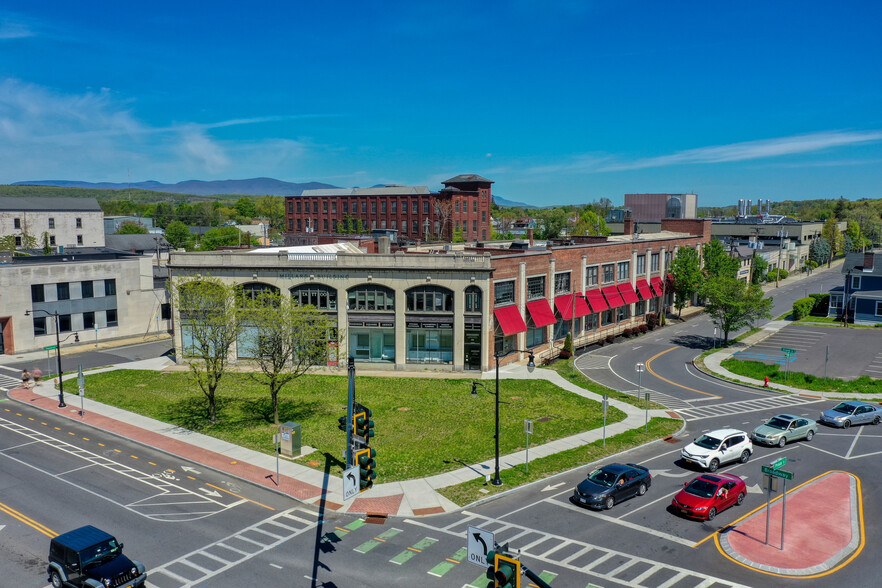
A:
x,y
827,572
342,529
451,560
378,539
415,549
237,496
71,433
57,428
151,463
45,424
101,444
134,457
649,369
86,439
191,477
28,521
30,418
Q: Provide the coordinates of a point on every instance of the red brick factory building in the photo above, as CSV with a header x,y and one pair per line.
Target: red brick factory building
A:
x,y
417,213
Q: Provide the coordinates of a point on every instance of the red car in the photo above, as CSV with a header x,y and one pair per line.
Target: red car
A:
x,y
709,494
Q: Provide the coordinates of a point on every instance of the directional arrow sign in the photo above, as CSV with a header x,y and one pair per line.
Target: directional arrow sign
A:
x,y
350,483
480,542
553,486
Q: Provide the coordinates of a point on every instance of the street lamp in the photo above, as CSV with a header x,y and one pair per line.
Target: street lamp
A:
x,y
61,403
640,367
531,365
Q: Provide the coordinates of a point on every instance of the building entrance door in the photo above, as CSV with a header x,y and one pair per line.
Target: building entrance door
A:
x,y
2,331
472,350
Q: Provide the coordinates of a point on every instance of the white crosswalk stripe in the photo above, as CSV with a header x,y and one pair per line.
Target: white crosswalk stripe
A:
x,y
770,402
7,383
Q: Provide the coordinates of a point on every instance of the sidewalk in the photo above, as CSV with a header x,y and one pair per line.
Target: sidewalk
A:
x,y
406,498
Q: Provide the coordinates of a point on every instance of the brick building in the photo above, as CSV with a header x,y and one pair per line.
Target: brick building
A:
x,y
414,211
654,207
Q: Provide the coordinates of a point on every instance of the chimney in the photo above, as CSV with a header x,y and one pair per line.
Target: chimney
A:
x,y
868,262
629,224
530,236
384,245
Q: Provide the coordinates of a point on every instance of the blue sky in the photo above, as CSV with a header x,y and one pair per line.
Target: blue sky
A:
x,y
557,101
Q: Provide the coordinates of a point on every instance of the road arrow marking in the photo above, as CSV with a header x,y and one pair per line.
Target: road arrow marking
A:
x,y
210,493
668,475
755,489
189,469
553,486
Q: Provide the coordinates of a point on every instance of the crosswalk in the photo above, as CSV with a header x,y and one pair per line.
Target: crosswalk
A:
x,y
776,402
581,557
7,383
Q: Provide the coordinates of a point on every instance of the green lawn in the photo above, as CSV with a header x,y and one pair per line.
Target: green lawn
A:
x,y
564,367
759,370
544,467
423,426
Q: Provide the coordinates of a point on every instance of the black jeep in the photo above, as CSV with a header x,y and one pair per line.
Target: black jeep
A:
x,y
90,558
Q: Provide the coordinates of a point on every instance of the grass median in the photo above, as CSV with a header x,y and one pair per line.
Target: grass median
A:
x,y
543,467
759,370
565,369
423,426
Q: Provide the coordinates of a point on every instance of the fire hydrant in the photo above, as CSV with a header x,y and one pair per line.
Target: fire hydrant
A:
x,y
766,382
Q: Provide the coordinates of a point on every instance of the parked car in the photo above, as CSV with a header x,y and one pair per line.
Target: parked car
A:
x,y
718,447
783,428
611,484
852,412
90,558
708,495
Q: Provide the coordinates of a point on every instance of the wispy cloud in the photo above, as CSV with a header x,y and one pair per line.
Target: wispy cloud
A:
x,y
12,28
96,135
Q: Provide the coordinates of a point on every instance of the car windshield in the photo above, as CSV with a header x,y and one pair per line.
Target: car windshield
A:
x,y
602,478
92,556
844,408
701,488
777,423
708,442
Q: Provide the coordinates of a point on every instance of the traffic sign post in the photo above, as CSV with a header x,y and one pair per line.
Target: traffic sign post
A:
x,y
772,471
605,406
350,482
790,353
528,428
479,542
81,383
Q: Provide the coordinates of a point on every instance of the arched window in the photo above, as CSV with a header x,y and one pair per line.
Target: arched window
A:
x,y
429,299
371,298
473,299
254,290
318,295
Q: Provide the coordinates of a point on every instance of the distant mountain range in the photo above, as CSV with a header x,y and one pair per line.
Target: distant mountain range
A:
x,y
253,186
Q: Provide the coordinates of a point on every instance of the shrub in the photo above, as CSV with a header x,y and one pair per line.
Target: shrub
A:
x,y
802,308
775,272
822,304
610,339
643,329
564,354
651,320
568,345
626,333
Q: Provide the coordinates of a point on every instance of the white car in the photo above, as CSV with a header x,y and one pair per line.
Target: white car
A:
x,y
718,447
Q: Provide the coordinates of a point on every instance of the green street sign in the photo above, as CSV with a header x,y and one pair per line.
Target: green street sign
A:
x,y
778,463
50,347
788,351
777,473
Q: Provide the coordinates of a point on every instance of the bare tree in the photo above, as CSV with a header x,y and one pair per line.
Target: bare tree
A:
x,y
443,214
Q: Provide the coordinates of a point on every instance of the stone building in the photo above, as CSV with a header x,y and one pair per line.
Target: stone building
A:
x,y
69,222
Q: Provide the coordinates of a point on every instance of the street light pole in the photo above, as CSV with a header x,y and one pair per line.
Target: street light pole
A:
x,y
61,403
531,365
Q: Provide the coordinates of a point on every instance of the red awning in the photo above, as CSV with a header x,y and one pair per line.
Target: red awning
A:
x,y
657,286
613,297
564,305
595,298
541,312
510,320
643,288
628,293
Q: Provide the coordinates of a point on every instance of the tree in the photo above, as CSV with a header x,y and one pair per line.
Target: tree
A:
x,y
210,324
733,304
225,237
7,243
163,213
834,237
47,248
288,340
552,221
717,261
457,236
271,208
246,208
819,250
686,270
854,240
132,228
590,223
177,234
760,268
444,214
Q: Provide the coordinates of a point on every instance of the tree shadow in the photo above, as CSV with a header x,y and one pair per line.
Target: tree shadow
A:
x,y
192,412
694,341
289,410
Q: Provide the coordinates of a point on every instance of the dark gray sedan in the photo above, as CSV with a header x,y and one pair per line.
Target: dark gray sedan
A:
x,y
852,412
611,484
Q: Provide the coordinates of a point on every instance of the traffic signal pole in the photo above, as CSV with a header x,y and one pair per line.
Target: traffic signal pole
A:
x,y
351,367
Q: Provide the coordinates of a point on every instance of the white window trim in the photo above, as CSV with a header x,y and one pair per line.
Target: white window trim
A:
x,y
855,282
570,289
879,308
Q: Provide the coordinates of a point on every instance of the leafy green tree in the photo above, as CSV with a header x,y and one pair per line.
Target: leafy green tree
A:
x,y
854,241
177,234
760,268
590,223
839,209
246,208
225,237
819,250
834,237
287,340
7,242
210,324
551,221
717,261
457,236
47,248
132,228
163,213
184,212
686,270
733,304
271,208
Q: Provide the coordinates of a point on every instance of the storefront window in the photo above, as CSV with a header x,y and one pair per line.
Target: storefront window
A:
x,y
254,290
429,299
622,312
372,298
372,344
608,317
640,308
473,299
322,297
501,343
426,345
561,328
535,335
591,322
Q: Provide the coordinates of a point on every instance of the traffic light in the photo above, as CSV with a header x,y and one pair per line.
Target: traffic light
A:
x,y
364,426
342,423
366,464
506,571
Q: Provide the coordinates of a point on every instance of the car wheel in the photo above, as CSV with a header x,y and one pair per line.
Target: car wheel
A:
x,y
846,424
809,435
714,464
740,498
642,489
55,580
610,501
877,419
782,441
745,455
711,513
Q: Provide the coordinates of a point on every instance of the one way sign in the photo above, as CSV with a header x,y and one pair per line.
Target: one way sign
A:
x,y
350,483
480,542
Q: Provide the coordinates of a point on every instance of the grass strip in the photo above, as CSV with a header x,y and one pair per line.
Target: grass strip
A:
x,y
759,370
543,467
564,367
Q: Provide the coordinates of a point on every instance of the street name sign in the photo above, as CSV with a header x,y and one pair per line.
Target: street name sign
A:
x,y
788,351
50,347
777,473
781,461
480,542
350,483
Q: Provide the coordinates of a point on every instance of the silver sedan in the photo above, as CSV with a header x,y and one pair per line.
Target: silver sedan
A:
x,y
852,412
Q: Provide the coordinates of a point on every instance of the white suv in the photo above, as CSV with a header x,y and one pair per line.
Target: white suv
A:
x,y
718,447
